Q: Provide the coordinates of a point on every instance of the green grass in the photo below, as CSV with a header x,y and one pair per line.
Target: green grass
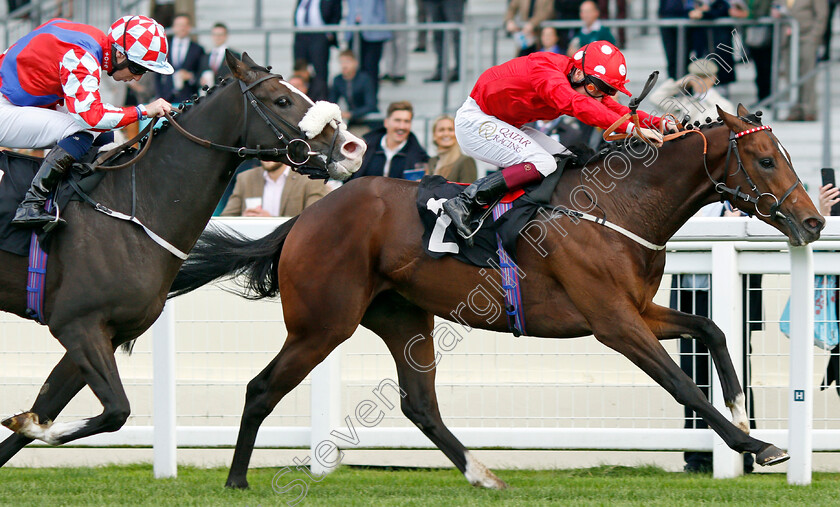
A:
x,y
349,486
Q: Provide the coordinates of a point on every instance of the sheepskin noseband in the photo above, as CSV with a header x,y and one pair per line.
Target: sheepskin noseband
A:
x,y
320,115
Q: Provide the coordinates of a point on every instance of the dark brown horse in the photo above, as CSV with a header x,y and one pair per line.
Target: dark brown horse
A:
x,y
356,257
107,281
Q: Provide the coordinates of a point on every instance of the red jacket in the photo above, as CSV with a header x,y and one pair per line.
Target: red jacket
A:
x,y
536,87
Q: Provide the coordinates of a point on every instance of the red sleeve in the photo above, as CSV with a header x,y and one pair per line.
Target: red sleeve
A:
x,y
80,77
553,86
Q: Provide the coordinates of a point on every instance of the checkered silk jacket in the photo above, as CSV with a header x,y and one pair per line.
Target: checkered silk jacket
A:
x,y
62,62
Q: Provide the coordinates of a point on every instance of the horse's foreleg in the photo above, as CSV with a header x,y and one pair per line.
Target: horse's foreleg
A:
x,y
63,383
407,331
93,355
634,340
299,355
667,323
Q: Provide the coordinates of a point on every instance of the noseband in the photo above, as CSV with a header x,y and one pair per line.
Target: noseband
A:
x,y
721,188
292,140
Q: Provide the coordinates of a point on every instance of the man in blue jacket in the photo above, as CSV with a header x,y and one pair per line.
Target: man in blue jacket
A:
x,y
352,90
393,149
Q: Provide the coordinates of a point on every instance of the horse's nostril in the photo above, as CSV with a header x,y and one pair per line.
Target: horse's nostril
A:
x,y
350,148
814,224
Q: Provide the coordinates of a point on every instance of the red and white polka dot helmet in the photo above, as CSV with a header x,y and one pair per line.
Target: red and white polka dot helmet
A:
x,y
605,62
143,41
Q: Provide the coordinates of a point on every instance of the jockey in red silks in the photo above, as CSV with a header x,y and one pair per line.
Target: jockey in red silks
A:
x,y
540,86
49,81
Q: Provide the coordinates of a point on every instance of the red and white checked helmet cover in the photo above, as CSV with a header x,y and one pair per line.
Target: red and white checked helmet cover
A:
x,y
604,61
146,41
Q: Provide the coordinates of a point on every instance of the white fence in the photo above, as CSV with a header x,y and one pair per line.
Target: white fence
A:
x,y
494,390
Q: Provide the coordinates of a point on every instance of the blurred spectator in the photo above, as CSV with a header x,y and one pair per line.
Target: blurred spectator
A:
x,y
214,64
163,11
693,95
669,9
354,88
317,89
395,52
422,17
450,162
826,42
530,14
314,48
446,11
567,10
17,4
368,12
621,13
301,82
708,40
592,30
812,17
272,190
186,57
551,40
758,41
393,149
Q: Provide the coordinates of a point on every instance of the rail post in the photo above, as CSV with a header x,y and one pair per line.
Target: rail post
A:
x,y
163,389
325,401
727,313
801,395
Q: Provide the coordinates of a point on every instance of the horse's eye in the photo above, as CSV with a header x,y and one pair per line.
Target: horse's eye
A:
x,y
766,163
283,102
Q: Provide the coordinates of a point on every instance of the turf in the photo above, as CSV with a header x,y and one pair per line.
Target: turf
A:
x,y
349,486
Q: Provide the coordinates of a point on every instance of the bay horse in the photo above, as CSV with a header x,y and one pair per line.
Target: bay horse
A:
x,y
107,281
356,257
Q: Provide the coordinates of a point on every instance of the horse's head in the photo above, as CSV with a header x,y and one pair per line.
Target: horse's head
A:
x,y
760,171
281,116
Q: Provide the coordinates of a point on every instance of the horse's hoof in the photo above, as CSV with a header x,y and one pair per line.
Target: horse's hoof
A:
x,y
480,476
236,484
18,422
771,455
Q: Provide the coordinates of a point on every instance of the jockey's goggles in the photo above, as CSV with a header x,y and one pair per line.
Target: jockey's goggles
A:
x,y
593,85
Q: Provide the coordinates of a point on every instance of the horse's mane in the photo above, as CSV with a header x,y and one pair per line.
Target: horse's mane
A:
x,y
584,155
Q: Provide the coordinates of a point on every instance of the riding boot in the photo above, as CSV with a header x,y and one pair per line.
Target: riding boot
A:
x,y
31,212
485,191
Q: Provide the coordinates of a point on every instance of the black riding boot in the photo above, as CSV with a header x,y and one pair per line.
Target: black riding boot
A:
x,y
483,191
31,212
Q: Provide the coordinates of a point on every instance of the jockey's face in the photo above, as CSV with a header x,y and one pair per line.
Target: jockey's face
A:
x,y
125,74
587,89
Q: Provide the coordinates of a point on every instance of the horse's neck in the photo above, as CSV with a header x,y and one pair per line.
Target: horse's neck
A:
x,y
655,199
179,183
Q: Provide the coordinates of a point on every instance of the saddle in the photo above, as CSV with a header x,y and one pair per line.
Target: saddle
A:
x,y
16,174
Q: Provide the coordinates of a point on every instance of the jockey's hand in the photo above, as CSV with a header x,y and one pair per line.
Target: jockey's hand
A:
x,y
653,136
669,126
158,107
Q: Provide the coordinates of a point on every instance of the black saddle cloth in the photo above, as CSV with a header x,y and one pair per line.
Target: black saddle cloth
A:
x,y
440,238
16,174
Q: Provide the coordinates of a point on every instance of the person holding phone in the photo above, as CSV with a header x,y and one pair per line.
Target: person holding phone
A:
x,y
829,194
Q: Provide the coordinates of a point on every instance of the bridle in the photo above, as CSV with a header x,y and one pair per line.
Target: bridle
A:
x,y
721,188
294,145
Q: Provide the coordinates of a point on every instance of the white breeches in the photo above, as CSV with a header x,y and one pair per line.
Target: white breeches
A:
x,y
491,140
34,127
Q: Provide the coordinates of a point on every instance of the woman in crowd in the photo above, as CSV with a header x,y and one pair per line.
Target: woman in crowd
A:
x,y
450,162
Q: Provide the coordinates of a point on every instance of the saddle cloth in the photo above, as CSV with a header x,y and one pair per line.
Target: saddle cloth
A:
x,y
16,174
440,238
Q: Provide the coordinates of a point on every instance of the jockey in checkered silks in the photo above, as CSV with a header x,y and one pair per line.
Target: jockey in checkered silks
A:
x,y
49,94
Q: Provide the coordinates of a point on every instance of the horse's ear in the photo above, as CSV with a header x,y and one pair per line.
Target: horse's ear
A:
x,y
733,122
241,69
742,111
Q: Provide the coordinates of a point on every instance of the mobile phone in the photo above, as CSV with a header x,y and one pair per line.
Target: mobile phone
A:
x,y
828,177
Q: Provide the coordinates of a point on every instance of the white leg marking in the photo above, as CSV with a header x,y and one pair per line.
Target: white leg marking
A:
x,y
50,432
478,475
739,413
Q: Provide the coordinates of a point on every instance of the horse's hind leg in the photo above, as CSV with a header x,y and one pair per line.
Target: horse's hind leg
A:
x,y
93,353
634,339
63,383
407,331
301,352
667,323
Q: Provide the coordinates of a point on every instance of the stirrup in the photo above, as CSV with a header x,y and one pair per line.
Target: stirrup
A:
x,y
49,226
481,220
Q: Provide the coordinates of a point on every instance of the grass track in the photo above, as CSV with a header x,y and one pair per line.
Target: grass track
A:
x,y
349,486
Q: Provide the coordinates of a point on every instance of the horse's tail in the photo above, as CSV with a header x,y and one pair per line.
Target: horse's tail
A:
x,y
228,254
